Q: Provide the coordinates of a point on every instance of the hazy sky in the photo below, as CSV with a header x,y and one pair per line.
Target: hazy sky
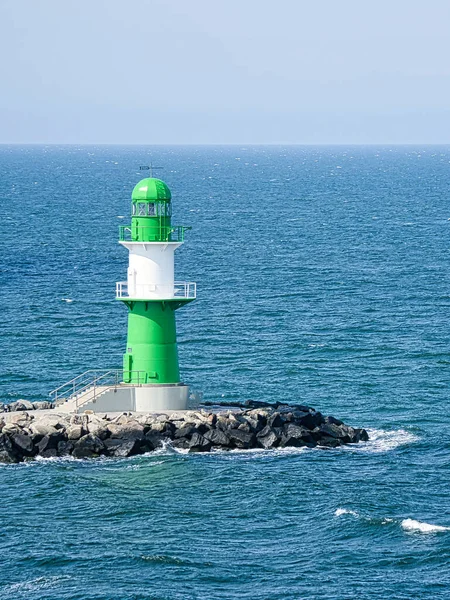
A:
x,y
225,71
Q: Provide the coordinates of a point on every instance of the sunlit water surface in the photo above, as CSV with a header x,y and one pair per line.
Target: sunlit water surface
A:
x,y
322,278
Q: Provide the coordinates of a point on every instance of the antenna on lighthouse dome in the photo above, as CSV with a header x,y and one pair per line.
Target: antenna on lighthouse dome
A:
x,y
150,168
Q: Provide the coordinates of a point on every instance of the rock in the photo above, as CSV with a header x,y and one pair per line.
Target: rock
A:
x,y
185,432
182,444
217,437
131,431
121,419
241,439
331,430
89,446
7,453
245,427
151,441
122,448
23,444
361,435
267,438
64,448
329,442
40,429
158,427
311,420
49,453
24,405
11,428
146,419
198,443
75,432
2,407
162,418
49,442
79,420
275,420
332,421
43,405
296,435
98,427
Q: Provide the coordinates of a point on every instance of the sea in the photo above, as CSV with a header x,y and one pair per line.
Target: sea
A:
x,y
323,279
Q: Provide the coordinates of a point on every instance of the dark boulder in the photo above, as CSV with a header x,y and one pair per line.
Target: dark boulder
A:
x,y
332,421
48,442
151,441
89,446
361,435
23,444
241,439
267,438
122,448
335,431
311,420
64,448
185,432
198,443
217,437
296,435
49,453
7,452
329,442
275,420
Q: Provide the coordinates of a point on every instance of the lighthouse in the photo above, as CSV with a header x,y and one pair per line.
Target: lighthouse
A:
x,y
150,377
151,294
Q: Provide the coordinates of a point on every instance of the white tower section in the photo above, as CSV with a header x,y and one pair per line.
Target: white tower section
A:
x,y
151,273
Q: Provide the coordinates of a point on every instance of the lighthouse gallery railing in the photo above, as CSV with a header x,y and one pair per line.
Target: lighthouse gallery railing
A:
x,y
173,233
180,289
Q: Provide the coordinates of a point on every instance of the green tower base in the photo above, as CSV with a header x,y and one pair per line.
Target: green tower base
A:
x,y
152,354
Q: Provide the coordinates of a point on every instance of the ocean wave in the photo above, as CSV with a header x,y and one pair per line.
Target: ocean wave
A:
x,y
419,526
345,511
40,583
410,525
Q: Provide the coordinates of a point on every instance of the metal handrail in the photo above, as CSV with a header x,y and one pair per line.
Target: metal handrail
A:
x,y
156,291
79,385
166,233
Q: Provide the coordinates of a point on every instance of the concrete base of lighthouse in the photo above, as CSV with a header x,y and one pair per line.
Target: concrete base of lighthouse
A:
x,y
135,398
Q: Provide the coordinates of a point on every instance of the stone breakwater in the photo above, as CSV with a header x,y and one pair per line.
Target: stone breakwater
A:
x,y
24,436
25,405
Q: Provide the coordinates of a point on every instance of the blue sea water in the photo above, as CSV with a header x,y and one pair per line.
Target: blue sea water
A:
x,y
322,278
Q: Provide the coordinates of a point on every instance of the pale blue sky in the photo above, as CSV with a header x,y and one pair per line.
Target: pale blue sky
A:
x,y
225,71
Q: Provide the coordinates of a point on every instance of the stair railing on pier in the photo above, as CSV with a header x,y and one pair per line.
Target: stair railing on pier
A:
x,y
96,380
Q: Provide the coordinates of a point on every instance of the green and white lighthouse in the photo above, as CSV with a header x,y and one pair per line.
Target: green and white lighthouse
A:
x,y
150,362
150,377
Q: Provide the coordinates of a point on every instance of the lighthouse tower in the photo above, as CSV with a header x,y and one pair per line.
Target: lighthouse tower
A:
x,y
150,363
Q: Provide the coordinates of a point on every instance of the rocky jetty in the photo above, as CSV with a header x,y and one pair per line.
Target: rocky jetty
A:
x,y
25,405
24,436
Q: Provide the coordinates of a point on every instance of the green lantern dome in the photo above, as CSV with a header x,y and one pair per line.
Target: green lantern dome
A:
x,y
151,190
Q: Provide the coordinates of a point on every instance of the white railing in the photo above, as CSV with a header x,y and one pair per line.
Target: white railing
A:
x,y
155,291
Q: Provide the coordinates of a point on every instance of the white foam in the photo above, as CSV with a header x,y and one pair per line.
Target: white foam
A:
x,y
413,525
68,300
345,511
381,440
